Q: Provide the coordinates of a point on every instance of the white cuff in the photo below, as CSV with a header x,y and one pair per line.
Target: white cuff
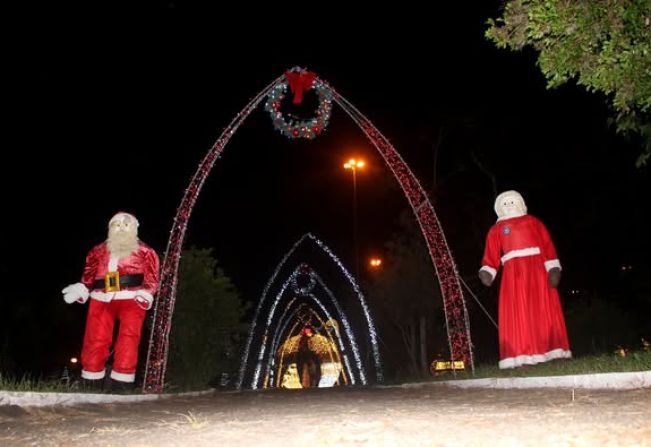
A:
x,y
490,270
123,377
552,263
90,375
145,298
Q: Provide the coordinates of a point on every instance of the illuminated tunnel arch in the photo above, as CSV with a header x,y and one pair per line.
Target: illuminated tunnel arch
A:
x,y
456,314
358,293
264,336
281,329
277,340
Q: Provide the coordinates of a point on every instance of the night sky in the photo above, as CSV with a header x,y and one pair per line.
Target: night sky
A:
x,y
108,115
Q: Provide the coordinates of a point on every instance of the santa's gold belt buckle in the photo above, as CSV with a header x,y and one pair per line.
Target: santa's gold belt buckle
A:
x,y
112,282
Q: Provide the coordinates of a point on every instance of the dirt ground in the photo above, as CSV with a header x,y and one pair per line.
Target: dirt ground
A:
x,y
416,416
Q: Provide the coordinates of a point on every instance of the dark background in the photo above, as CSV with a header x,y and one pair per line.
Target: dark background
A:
x,y
111,110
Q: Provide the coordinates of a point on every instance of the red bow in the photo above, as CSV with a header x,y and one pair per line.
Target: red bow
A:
x,y
300,82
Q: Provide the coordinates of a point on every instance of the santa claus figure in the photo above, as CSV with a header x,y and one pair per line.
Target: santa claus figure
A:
x,y
121,278
531,323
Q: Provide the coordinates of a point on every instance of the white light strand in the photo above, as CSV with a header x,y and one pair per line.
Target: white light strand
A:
x,y
272,279
281,330
342,317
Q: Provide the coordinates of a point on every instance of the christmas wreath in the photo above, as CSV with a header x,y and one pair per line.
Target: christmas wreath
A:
x,y
298,81
307,278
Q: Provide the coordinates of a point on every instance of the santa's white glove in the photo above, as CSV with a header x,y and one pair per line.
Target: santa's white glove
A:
x,y
75,293
144,301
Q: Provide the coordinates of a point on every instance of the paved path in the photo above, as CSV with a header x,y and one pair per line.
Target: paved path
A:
x,y
425,415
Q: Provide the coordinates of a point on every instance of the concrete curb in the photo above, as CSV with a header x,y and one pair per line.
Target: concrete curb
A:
x,y
608,381
36,399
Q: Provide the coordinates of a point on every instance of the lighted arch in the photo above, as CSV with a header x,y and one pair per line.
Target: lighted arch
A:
x,y
283,322
358,293
334,355
282,329
456,314
264,336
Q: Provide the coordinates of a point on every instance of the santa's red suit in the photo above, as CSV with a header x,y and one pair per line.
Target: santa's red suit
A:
x,y
127,305
531,323
137,275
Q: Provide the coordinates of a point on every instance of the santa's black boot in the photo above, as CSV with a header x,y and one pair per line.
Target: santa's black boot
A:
x,y
118,387
92,386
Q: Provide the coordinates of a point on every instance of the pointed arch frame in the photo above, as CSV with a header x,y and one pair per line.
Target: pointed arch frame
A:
x,y
456,313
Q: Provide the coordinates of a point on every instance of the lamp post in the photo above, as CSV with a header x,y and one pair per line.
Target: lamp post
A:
x,y
353,165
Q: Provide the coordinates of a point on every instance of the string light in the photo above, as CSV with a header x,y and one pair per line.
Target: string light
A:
x,y
360,297
281,328
293,128
158,348
302,269
284,321
456,314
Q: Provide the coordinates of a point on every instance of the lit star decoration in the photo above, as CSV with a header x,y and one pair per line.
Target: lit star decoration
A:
x,y
299,80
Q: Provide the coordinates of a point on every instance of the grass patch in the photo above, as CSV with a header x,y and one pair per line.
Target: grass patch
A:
x,y
28,383
605,363
620,361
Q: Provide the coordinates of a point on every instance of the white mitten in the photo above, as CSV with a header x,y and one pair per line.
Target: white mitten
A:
x,y
75,293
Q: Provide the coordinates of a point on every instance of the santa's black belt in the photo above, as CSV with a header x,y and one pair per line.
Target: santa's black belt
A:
x,y
125,281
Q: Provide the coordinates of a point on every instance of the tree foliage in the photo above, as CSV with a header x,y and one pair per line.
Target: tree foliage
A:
x,y
207,323
605,45
406,299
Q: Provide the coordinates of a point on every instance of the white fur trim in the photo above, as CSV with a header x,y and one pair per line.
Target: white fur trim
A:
x,y
122,377
513,362
75,293
93,375
107,297
145,296
489,269
520,253
113,263
552,263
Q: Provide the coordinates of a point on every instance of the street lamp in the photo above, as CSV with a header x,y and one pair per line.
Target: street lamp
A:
x,y
375,263
353,165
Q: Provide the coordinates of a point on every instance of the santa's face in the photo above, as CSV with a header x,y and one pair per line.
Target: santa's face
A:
x,y
123,226
122,235
510,204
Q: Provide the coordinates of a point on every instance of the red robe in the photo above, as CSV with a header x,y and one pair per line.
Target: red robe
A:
x,y
127,306
531,323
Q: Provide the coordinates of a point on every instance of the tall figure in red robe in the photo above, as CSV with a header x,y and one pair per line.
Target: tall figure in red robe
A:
x,y
531,323
121,278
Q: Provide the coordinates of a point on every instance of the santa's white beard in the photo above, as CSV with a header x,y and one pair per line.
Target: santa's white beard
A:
x,y
122,244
